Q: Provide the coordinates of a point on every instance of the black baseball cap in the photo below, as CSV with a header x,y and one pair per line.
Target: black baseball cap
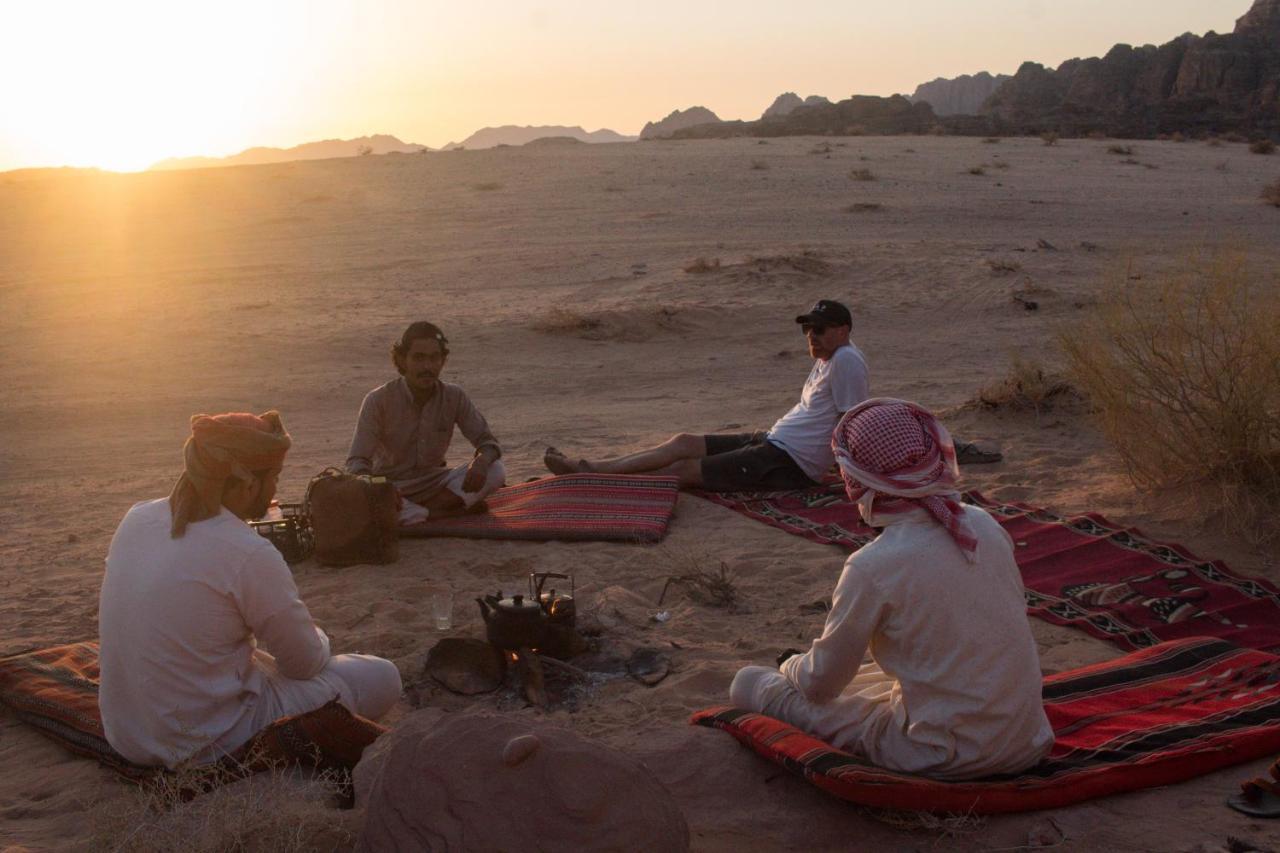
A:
x,y
827,312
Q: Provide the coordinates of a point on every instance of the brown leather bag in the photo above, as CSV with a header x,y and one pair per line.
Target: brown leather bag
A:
x,y
354,518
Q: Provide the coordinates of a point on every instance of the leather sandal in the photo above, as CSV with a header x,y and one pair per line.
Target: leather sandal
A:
x,y
1259,797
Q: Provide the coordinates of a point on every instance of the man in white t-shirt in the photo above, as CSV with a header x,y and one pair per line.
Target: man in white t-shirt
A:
x,y
205,640
792,454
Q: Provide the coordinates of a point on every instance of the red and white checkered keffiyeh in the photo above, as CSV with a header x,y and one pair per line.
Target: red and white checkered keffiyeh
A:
x,y
896,456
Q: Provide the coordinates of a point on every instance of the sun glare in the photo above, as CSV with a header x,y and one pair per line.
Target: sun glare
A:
x,y
122,86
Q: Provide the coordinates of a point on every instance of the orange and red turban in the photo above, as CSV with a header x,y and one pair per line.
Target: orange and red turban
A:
x,y
222,446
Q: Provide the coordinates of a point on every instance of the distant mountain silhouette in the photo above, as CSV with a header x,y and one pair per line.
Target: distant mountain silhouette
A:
x,y
1193,84
963,95
859,115
788,101
510,134
324,150
678,120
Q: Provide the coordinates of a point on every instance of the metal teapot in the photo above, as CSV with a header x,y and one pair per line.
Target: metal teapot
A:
x,y
513,623
558,607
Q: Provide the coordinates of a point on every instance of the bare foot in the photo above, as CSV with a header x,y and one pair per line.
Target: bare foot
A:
x,y
558,463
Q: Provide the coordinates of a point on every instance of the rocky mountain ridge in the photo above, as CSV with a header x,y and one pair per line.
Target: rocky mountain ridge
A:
x,y
1193,84
678,120
325,149
963,95
510,134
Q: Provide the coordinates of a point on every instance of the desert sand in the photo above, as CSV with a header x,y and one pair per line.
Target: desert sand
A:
x,y
129,302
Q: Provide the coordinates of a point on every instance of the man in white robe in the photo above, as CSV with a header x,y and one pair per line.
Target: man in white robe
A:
x,y
926,663
204,639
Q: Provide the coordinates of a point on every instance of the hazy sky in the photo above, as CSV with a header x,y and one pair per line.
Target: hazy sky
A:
x,y
123,83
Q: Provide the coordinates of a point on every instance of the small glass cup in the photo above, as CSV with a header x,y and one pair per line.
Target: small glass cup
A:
x,y
442,608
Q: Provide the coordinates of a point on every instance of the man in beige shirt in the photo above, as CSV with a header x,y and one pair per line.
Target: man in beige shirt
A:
x,y
405,428
205,640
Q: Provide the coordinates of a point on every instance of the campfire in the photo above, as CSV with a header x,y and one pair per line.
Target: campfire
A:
x,y
533,646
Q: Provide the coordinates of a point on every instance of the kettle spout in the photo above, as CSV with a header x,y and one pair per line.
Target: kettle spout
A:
x,y
485,610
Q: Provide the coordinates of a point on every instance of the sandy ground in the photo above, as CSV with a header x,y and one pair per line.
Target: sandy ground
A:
x,y
128,302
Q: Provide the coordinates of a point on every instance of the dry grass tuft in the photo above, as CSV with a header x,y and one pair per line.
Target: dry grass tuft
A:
x,y
992,140
861,175
1000,266
705,586
863,207
1262,146
701,265
487,186
1184,374
821,148
949,827
759,165
1049,138
980,169
278,810
1121,150
1271,193
1028,386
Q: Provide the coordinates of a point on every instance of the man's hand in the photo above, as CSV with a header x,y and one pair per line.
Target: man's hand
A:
x,y
477,471
788,653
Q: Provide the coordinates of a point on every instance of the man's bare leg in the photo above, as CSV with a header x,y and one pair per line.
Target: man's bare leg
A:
x,y
684,447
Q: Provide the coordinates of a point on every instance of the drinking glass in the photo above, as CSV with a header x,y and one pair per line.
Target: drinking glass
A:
x,y
442,608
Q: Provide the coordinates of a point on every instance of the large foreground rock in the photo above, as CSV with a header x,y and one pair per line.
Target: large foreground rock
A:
x,y
483,782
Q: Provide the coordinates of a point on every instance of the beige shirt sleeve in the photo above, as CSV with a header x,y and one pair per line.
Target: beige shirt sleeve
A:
x,y
274,612
364,443
833,660
475,427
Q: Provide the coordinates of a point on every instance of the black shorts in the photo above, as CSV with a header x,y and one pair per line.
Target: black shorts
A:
x,y
747,461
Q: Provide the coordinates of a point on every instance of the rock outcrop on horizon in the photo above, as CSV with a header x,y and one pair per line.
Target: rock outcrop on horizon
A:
x,y
857,116
963,95
788,101
1193,84
380,143
678,120
510,134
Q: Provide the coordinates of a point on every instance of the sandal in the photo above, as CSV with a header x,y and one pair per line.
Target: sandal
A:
x,y
1259,797
968,453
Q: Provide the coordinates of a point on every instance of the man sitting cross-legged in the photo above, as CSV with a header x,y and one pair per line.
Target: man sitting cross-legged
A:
x,y
204,640
952,687
793,454
406,425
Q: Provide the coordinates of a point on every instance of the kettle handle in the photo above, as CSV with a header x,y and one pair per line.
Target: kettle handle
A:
x,y
537,579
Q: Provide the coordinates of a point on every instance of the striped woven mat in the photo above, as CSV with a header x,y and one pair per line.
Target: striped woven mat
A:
x,y
626,508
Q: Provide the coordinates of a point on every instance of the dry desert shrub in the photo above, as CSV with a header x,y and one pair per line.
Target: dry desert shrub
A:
x,y
1122,150
1262,146
1271,193
863,207
1000,266
992,140
1027,386
1049,138
1236,138
701,265
277,810
759,165
861,175
487,186
1184,375
710,587
980,169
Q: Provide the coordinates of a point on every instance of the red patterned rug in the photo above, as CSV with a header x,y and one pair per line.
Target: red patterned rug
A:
x,y
1150,718
625,508
56,691
1086,572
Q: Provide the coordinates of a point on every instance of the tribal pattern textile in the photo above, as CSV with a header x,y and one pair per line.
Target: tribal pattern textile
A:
x,y
56,691
1153,717
1085,572
596,507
